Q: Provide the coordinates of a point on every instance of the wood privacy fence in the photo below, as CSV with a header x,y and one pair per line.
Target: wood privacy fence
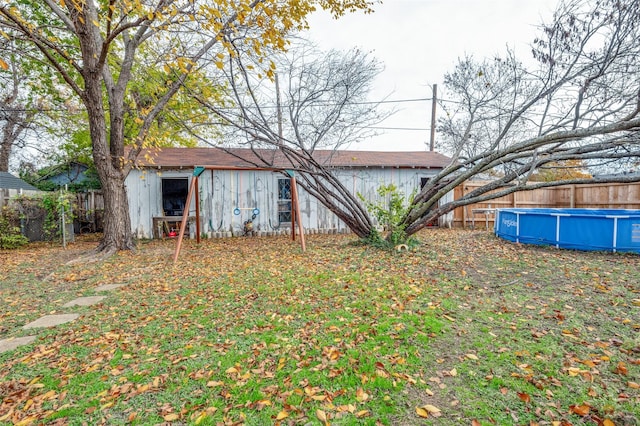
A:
x,y
89,212
598,195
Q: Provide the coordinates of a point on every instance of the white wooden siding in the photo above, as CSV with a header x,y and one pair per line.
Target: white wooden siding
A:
x,y
221,192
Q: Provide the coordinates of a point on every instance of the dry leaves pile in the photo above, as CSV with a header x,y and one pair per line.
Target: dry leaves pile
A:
x,y
467,329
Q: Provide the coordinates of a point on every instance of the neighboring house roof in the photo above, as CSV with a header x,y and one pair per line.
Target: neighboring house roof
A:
x,y
67,173
189,157
9,181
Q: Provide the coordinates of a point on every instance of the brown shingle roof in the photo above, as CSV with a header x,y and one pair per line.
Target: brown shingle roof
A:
x,y
189,157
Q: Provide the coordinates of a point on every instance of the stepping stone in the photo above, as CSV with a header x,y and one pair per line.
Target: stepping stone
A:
x,y
10,344
51,320
84,301
108,287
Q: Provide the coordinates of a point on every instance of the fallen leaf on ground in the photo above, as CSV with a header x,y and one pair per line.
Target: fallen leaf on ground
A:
x,y
321,415
580,410
621,368
421,412
171,417
362,413
431,409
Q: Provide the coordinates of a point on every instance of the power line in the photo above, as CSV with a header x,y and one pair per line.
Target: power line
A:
x,y
398,101
390,101
421,129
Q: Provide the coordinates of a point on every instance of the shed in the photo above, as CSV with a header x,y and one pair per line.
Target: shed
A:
x,y
157,189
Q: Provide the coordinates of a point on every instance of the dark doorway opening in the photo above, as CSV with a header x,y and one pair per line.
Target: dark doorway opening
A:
x,y
424,181
174,196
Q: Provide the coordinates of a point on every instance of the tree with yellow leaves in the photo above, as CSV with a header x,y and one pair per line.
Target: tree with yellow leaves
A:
x,y
561,170
98,48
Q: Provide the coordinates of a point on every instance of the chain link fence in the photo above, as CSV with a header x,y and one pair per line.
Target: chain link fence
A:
x,y
43,216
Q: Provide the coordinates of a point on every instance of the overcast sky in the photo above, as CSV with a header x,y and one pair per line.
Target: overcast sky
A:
x,y
418,41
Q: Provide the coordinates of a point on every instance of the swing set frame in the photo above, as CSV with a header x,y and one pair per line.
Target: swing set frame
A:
x,y
193,188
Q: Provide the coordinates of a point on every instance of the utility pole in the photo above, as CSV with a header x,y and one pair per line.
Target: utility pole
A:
x,y
279,111
434,101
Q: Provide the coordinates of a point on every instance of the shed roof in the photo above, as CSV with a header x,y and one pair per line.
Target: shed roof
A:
x,y
235,157
9,181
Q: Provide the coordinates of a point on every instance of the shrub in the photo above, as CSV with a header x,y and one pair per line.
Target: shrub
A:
x,y
389,214
10,236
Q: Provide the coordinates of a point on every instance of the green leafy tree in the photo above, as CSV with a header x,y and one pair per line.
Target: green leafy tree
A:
x,y
17,109
36,111
390,213
76,150
98,49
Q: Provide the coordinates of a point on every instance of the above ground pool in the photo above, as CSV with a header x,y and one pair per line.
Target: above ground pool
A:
x,y
578,229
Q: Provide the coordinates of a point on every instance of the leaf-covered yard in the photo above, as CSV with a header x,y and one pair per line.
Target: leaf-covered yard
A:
x,y
466,329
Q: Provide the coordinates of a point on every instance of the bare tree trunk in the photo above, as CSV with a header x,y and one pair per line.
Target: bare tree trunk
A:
x,y
5,150
14,125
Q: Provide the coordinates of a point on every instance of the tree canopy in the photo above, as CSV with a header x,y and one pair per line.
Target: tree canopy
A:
x,y
579,104
317,100
102,50
20,100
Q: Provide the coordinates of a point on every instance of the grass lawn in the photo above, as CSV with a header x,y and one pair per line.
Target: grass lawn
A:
x,y
465,330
